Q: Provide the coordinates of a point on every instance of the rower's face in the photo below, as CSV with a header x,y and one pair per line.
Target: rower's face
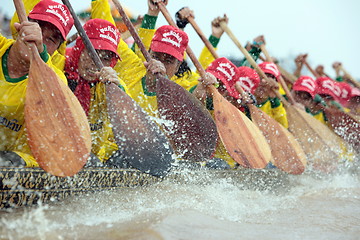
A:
x,y
327,98
354,104
86,66
224,92
171,63
51,36
264,88
304,98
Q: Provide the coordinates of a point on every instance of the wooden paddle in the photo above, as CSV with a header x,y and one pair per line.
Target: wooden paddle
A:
x,y
140,141
241,138
343,124
286,151
58,135
193,134
352,80
315,138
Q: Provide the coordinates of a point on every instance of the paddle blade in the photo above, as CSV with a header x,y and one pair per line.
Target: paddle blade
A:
x,y
344,125
242,139
193,131
57,127
286,151
319,143
140,140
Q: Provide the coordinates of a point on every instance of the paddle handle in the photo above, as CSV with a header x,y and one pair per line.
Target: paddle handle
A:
x,y
247,55
93,54
210,47
266,53
132,30
225,27
311,69
21,12
203,38
189,52
352,80
281,79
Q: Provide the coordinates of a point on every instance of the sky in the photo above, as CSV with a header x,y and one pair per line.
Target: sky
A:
x,y
328,30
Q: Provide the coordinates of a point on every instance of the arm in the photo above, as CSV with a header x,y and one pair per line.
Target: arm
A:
x,y
279,112
206,57
299,62
255,50
336,66
147,29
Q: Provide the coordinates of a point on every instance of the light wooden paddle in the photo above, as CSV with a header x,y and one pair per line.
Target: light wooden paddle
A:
x,y
352,80
194,133
57,129
315,138
286,151
241,138
343,124
140,141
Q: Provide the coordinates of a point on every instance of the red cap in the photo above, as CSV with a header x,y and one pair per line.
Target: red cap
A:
x,y
170,40
270,68
227,73
327,86
345,92
103,34
55,13
355,92
306,84
248,78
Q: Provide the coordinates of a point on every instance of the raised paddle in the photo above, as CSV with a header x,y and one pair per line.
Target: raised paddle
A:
x,y
286,151
352,80
140,141
57,129
343,124
315,138
193,133
241,138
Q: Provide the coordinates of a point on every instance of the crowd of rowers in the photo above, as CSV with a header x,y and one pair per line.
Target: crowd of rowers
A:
x,y
48,26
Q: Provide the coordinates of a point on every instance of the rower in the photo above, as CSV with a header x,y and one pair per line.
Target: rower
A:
x,y
87,83
304,92
266,97
49,25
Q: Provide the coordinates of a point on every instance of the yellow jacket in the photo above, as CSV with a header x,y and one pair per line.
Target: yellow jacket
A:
x,y
275,109
12,99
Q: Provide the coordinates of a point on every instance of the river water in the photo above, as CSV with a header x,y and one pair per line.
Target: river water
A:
x,y
309,206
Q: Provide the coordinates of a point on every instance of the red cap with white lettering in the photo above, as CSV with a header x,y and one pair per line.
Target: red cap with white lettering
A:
x,y
55,13
327,86
306,84
103,35
170,40
248,78
224,70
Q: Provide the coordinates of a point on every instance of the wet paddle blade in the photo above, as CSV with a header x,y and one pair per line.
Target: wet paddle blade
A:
x,y
286,151
346,126
319,143
241,138
192,131
140,140
57,127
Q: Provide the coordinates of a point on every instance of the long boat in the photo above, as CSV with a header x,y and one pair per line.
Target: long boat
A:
x,y
29,186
